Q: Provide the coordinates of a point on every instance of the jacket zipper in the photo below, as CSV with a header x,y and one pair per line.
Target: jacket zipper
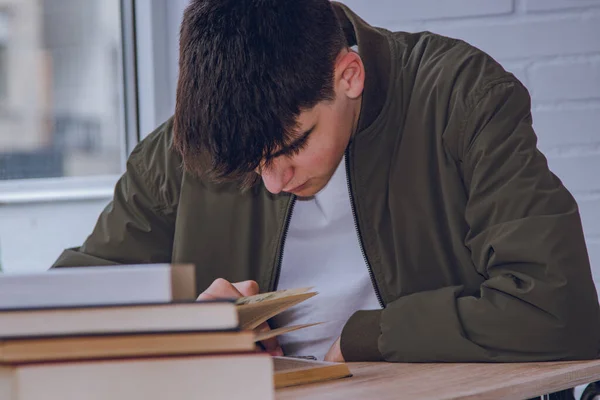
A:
x,y
286,227
360,241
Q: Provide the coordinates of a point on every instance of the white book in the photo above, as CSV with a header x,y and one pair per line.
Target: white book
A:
x,y
139,318
232,376
81,286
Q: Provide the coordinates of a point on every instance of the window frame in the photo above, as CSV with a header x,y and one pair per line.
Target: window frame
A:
x,y
140,79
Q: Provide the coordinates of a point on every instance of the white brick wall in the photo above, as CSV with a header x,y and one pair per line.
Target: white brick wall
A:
x,y
571,80
553,47
519,36
591,217
548,5
567,125
389,12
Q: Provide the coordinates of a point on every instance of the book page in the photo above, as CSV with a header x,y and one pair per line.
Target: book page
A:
x,y
253,314
290,371
260,336
283,364
280,294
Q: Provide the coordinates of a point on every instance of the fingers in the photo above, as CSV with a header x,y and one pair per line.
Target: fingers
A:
x,y
220,289
247,288
223,289
270,345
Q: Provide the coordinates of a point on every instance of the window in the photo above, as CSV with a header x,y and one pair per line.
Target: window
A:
x,y
3,42
61,89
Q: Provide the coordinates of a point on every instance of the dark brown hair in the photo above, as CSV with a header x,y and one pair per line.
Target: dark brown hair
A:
x,y
247,68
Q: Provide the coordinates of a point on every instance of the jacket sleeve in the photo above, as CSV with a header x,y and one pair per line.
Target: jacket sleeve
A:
x,y
538,301
137,226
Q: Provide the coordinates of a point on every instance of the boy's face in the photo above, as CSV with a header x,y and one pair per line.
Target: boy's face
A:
x,y
305,166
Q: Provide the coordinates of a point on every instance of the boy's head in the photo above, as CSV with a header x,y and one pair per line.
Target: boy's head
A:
x,y
266,87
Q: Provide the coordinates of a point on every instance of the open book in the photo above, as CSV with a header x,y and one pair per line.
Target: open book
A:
x,y
254,310
108,331
288,371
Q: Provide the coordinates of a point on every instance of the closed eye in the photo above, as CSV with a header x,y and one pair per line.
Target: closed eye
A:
x,y
295,146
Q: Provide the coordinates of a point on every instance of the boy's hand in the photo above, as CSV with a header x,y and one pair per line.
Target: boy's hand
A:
x,y
223,289
335,353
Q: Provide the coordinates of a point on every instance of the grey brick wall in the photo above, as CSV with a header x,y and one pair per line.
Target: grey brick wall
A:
x,y
553,47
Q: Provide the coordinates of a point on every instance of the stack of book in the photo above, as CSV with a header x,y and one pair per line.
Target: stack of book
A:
x,y
136,332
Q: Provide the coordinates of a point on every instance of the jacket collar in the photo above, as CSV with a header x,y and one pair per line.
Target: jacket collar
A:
x,y
375,53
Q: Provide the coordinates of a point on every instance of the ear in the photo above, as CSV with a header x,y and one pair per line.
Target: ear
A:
x,y
349,74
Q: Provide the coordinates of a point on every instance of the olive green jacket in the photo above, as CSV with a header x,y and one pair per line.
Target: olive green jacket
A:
x,y
474,247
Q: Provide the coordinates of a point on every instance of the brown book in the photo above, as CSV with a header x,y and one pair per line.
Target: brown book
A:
x,y
65,348
14,351
290,371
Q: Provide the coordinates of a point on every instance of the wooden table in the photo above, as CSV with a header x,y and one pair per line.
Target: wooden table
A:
x,y
383,381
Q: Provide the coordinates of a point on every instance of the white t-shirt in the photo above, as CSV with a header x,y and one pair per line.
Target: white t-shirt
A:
x,y
322,250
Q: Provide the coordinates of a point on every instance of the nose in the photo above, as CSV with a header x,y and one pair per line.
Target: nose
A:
x,y
275,179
